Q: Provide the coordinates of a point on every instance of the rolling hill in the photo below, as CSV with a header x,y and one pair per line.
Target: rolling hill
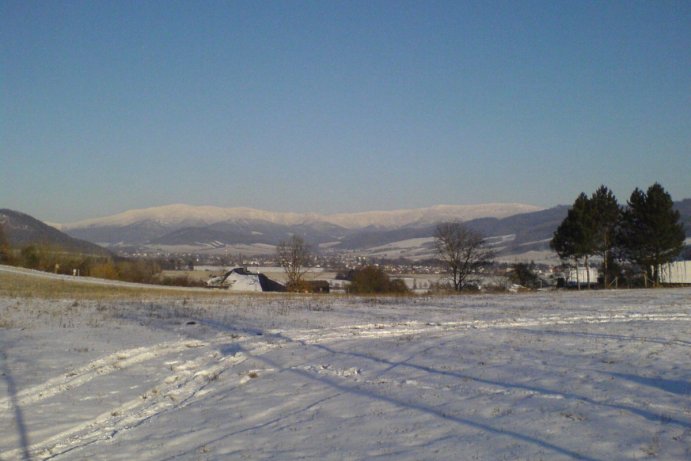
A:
x,y
22,230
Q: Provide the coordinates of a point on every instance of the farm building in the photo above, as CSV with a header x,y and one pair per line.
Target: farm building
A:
x,y
318,286
240,279
581,276
676,273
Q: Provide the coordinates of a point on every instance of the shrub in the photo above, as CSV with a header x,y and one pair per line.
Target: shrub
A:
x,y
524,274
30,257
6,256
105,270
372,279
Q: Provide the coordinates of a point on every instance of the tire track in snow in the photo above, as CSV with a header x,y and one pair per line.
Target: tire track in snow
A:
x,y
100,367
385,330
125,358
187,382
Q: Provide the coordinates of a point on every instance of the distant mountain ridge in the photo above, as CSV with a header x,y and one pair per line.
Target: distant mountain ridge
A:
x,y
175,225
180,215
513,229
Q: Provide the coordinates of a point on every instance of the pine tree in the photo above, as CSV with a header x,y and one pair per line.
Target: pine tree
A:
x,y
573,237
606,213
651,233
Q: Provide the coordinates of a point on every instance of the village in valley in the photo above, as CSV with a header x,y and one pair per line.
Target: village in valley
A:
x,y
594,243
419,277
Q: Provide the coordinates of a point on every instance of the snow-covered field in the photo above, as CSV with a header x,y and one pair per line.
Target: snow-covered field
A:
x,y
554,375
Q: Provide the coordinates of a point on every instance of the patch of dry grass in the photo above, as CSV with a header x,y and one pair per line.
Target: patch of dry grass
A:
x,y
28,286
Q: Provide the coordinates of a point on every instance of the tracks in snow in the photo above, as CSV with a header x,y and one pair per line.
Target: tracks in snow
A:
x,y
100,367
384,330
188,380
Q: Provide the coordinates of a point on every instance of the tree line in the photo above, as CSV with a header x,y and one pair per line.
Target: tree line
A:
x,y
54,259
646,232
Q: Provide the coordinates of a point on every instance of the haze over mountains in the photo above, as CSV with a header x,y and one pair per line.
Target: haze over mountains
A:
x,y
206,228
516,230
188,215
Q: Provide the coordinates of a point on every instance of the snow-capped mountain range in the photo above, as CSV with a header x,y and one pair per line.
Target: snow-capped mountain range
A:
x,y
512,229
189,215
207,228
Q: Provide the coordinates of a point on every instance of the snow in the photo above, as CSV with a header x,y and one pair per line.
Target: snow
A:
x,y
205,215
85,280
415,249
426,216
243,282
551,375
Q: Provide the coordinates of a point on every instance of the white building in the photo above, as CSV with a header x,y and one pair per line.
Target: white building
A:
x,y
582,276
676,273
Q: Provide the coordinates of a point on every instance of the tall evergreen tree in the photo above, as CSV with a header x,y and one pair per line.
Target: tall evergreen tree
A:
x,y
589,229
583,206
573,237
651,233
605,213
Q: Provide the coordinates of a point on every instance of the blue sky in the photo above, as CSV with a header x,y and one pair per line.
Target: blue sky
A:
x,y
346,106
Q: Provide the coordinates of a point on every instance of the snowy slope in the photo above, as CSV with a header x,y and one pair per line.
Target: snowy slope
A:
x,y
559,376
205,215
208,227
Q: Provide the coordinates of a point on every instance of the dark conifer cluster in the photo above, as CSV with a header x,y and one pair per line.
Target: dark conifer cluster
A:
x,y
647,232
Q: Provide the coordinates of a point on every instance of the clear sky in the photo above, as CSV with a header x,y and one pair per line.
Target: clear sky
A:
x,y
339,106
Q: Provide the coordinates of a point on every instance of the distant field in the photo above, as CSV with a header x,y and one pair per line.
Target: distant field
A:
x,y
23,283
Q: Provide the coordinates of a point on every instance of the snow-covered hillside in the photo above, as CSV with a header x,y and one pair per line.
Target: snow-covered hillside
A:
x,y
559,376
184,228
205,215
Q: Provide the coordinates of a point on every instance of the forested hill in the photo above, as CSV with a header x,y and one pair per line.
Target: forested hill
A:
x,y
22,230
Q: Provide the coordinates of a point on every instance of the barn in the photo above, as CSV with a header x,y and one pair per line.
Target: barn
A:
x,y
240,279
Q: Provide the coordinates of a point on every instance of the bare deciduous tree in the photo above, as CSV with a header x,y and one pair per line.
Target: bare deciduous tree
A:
x,y
462,250
293,256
